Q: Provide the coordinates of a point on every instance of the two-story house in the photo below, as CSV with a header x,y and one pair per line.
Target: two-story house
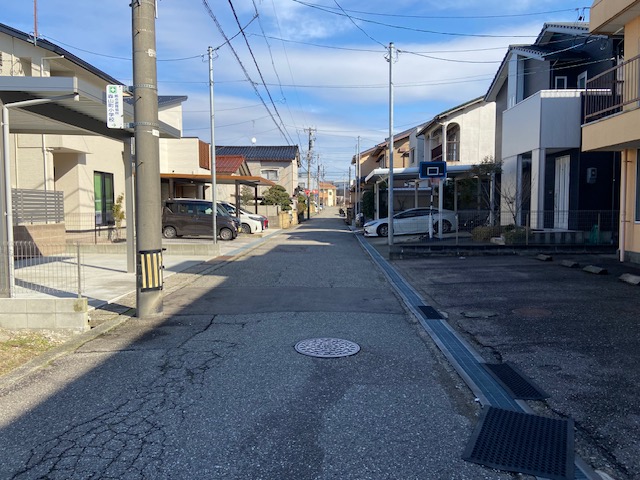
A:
x,y
547,181
278,164
612,112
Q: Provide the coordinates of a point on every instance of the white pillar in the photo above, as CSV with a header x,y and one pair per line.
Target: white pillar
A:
x,y
537,188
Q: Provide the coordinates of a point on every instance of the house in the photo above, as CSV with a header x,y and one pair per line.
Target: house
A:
x,y
612,112
547,181
327,194
278,164
469,130
61,154
377,159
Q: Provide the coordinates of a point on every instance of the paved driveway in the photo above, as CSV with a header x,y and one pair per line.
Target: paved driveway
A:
x,y
574,333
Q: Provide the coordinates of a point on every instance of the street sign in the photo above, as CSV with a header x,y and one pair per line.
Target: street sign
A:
x,y
115,106
433,169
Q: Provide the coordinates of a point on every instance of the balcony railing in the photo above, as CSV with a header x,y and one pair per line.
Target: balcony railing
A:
x,y
613,91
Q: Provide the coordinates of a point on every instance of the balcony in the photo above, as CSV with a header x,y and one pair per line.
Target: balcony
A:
x,y
611,112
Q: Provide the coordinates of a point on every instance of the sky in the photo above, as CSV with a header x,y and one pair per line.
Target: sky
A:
x,y
284,67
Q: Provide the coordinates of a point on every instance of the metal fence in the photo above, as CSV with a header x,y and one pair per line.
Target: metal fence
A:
x,y
59,272
554,227
37,206
83,228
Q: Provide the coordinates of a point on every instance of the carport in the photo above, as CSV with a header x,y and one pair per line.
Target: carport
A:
x,y
60,106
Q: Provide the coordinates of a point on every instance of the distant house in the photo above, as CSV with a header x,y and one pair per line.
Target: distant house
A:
x,y
613,114
327,194
278,164
548,182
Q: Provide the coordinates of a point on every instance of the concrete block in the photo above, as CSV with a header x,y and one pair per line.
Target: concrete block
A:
x,y
41,320
596,270
71,305
13,305
545,258
12,321
630,278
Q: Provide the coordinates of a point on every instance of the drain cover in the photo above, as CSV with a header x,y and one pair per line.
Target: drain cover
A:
x,y
521,442
511,378
327,347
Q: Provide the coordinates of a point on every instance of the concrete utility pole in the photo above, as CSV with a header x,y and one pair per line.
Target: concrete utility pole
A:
x,y
311,130
148,205
214,182
390,190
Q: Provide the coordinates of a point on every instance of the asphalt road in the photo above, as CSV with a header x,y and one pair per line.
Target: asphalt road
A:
x,y
575,334
214,389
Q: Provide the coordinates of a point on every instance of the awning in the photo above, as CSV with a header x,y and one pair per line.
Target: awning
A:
x,y
86,114
412,173
248,180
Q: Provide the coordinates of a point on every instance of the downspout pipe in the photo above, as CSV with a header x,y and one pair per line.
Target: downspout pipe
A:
x,y
623,204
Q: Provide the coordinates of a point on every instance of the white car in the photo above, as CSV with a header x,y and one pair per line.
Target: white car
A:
x,y
249,223
412,221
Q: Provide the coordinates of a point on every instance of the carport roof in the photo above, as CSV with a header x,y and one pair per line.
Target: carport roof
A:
x,y
412,173
249,180
84,114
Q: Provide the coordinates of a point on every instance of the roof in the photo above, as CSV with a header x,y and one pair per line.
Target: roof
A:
x,y
47,45
446,113
327,186
380,147
287,153
170,100
229,164
64,105
545,47
220,179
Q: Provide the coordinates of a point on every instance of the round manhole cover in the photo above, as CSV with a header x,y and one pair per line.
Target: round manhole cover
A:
x,y
327,347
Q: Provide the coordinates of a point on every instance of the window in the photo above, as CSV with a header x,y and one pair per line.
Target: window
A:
x,y
103,198
582,80
269,174
561,83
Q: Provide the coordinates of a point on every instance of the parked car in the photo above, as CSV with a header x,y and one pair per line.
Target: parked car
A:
x,y
189,216
249,223
412,221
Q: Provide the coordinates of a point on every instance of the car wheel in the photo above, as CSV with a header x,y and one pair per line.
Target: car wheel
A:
x,y
169,232
226,234
245,228
383,230
446,226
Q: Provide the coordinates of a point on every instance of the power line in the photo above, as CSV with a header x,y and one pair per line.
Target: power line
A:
x,y
246,73
255,62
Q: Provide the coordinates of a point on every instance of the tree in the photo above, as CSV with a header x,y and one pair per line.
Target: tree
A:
x,y
277,195
118,214
246,196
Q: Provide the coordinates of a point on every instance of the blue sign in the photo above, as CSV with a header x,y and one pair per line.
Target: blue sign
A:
x,y
433,169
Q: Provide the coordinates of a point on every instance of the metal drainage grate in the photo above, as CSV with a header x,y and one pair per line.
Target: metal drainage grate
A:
x,y
327,347
515,382
520,442
429,313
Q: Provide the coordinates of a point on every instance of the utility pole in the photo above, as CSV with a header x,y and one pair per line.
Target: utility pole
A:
x,y
390,188
357,173
214,204
148,207
311,131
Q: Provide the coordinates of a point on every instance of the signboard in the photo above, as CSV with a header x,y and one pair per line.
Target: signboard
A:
x,y
433,169
115,106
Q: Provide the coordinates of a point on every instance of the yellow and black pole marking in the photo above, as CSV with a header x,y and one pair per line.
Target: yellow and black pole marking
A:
x,y
150,268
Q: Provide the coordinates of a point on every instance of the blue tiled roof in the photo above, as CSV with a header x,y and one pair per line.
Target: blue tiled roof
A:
x,y
262,153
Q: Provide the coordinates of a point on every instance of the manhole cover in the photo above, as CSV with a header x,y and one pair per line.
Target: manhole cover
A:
x,y
327,347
